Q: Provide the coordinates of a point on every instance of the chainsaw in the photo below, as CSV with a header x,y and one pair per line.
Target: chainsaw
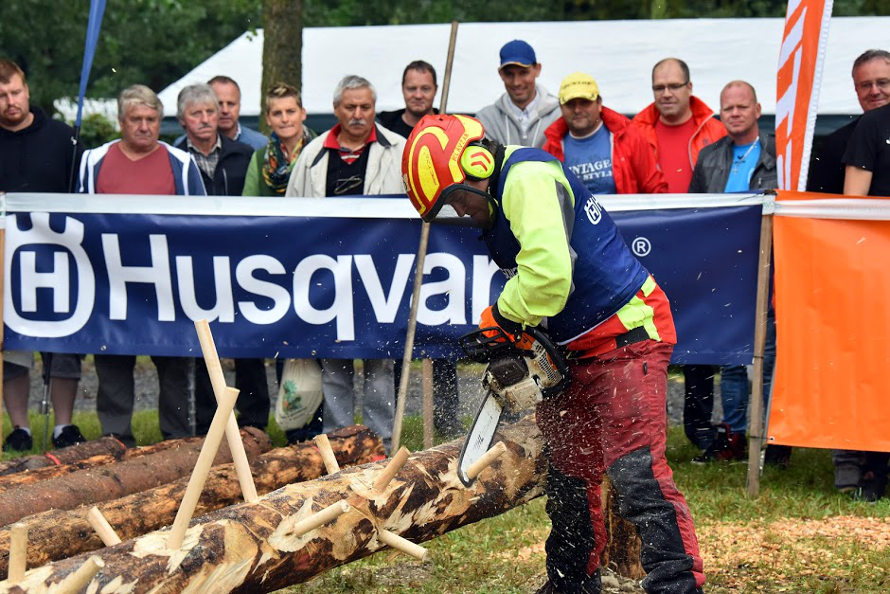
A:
x,y
518,375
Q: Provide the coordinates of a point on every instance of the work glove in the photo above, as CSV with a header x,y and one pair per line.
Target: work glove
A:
x,y
492,320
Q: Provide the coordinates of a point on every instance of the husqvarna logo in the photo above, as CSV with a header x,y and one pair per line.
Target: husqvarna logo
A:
x,y
51,266
593,210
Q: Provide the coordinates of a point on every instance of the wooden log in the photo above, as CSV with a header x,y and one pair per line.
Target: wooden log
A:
x,y
240,548
105,450
80,451
28,477
58,534
111,482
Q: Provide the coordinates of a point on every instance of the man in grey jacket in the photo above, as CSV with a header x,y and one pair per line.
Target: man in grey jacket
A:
x,y
521,114
354,158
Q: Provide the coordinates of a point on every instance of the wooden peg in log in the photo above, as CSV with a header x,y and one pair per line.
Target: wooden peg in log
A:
x,y
102,527
18,552
486,459
327,454
385,476
395,541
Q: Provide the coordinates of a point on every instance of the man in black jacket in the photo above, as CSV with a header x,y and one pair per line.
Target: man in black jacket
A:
x,y
871,82
742,161
223,164
37,154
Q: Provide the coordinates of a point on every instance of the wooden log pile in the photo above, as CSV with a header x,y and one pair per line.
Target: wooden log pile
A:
x,y
58,534
256,547
117,480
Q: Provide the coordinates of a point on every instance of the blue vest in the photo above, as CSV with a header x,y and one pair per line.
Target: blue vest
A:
x,y
605,274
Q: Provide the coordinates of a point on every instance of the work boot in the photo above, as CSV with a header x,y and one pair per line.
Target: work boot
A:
x,y
18,441
69,436
727,447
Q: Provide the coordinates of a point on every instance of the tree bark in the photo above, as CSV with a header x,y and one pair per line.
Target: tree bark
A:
x,y
111,482
79,453
29,477
58,534
87,449
282,46
250,547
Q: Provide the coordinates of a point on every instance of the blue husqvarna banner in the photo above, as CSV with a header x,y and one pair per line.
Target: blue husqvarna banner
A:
x,y
327,282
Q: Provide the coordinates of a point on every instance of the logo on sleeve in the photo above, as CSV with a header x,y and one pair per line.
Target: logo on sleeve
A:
x,y
593,210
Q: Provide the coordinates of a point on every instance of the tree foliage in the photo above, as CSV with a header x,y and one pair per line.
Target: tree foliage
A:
x,y
153,42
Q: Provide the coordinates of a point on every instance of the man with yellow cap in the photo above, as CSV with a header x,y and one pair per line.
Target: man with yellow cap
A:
x,y
599,145
571,273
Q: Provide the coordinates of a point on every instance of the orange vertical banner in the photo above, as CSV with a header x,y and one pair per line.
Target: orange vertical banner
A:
x,y
798,80
833,322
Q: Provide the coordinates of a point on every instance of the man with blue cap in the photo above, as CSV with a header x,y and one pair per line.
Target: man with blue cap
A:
x,y
520,115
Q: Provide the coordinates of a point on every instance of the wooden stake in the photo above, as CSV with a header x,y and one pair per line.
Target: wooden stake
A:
x,y
418,273
102,527
319,518
401,544
233,436
327,454
428,425
75,582
202,467
755,404
2,289
486,459
18,552
386,475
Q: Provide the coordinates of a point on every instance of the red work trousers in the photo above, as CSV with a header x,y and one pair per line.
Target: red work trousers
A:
x,y
612,420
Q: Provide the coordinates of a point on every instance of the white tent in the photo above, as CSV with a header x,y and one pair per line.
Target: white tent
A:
x,y
619,54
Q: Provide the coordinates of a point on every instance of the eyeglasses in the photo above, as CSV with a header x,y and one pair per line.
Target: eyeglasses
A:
x,y
674,87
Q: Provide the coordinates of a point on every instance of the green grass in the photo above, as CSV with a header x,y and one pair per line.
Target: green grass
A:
x,y
746,542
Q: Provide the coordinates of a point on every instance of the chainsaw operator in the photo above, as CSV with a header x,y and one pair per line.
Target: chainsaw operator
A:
x,y
571,272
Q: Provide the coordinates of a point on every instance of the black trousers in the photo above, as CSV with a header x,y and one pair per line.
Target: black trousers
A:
x,y
253,403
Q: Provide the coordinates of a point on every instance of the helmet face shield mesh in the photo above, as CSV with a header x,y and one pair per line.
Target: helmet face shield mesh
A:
x,y
431,160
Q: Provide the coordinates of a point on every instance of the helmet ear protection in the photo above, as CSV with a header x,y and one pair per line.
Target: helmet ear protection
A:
x,y
477,162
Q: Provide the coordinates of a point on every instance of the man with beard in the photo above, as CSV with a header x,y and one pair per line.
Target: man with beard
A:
x,y
36,155
355,157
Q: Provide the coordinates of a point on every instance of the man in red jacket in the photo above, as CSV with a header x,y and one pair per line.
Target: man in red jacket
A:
x,y
677,124
599,145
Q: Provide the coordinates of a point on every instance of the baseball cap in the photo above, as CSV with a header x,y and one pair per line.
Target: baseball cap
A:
x,y
578,86
517,52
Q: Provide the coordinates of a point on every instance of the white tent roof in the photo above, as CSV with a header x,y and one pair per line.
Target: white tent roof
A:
x,y
619,54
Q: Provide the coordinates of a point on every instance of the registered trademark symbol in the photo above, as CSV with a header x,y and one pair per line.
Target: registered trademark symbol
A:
x,y
641,246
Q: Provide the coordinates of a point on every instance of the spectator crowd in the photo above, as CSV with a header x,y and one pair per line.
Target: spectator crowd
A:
x,y
676,144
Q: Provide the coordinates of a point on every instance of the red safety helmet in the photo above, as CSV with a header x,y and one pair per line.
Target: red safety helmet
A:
x,y
441,153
